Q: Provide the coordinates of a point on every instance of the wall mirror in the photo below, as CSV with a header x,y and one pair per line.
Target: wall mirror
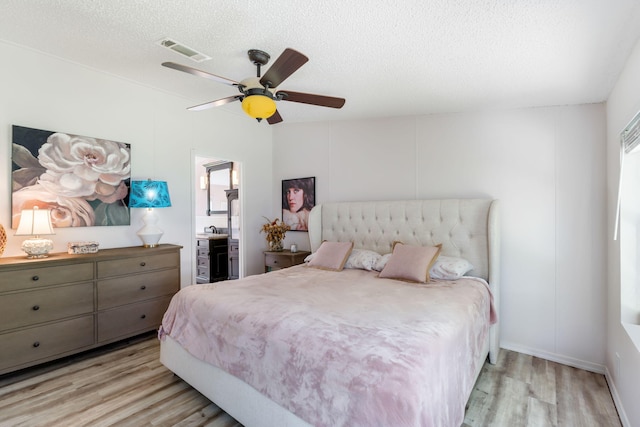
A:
x,y
219,179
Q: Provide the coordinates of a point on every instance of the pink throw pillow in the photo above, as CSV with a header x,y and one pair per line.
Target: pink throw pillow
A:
x,y
331,255
410,263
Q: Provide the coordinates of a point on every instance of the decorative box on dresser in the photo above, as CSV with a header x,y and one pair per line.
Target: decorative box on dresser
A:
x,y
64,304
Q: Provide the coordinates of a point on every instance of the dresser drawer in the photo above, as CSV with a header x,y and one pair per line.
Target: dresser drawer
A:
x,y
203,252
45,304
22,348
138,287
118,267
234,248
28,278
131,319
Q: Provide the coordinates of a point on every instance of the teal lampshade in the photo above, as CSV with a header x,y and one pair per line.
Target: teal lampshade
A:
x,y
149,194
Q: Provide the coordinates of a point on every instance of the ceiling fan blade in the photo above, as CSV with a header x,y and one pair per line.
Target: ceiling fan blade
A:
x,y
285,65
276,118
309,98
199,73
216,103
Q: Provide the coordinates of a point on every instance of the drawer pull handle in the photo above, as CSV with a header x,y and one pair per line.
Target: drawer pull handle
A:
x,y
142,264
36,307
143,316
143,287
275,261
36,344
34,278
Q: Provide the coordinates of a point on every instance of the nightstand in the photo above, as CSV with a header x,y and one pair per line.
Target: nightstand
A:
x,y
283,259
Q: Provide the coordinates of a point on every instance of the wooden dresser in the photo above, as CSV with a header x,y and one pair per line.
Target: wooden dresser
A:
x,y
64,304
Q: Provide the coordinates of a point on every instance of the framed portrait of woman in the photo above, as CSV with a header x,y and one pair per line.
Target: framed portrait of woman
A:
x,y
298,197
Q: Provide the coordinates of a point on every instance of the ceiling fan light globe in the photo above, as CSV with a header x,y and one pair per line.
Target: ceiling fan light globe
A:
x,y
259,106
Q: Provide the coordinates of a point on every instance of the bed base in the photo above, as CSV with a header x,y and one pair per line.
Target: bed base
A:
x,y
234,396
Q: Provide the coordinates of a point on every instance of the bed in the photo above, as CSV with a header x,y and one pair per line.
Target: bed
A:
x,y
348,347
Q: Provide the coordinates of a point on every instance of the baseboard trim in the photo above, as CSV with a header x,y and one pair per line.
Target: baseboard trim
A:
x,y
565,360
616,399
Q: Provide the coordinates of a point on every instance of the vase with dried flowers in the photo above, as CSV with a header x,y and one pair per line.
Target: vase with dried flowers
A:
x,y
275,231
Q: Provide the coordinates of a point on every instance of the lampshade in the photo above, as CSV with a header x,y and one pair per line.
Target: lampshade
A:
x,y
36,222
149,194
259,106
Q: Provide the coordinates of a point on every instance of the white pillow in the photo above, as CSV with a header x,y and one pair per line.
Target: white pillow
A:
x,y
450,268
384,259
362,259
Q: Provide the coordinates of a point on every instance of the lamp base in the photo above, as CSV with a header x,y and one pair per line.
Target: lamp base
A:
x,y
150,234
37,247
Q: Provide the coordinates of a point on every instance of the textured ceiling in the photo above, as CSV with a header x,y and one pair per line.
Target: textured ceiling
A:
x,y
387,58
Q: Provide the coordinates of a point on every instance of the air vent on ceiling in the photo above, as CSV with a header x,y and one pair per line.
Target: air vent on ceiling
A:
x,y
183,50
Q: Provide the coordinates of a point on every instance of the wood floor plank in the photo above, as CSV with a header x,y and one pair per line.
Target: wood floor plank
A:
x,y
508,406
582,400
181,401
518,366
126,385
215,417
543,380
541,414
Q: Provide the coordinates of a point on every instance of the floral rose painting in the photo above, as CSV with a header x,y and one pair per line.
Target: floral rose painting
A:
x,y
83,180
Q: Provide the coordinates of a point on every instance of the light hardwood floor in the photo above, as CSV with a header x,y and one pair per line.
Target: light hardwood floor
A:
x,y
522,390
125,385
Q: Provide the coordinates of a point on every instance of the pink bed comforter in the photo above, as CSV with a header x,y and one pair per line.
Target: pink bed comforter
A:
x,y
341,348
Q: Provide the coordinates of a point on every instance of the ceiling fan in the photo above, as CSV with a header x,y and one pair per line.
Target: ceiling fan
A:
x,y
258,94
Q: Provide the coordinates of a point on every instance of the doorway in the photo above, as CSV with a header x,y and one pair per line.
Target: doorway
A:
x,y
216,219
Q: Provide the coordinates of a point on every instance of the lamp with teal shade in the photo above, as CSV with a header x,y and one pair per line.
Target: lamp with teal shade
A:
x,y
149,194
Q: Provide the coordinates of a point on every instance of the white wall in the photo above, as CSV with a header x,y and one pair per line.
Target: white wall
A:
x,y
623,374
43,92
545,165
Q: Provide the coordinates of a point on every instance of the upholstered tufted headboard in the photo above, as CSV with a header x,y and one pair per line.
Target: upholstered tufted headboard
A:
x,y
467,228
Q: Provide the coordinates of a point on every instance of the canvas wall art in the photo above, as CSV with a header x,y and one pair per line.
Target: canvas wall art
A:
x,y
298,197
83,180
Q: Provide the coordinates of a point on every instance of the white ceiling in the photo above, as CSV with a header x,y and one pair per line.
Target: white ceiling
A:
x,y
387,58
